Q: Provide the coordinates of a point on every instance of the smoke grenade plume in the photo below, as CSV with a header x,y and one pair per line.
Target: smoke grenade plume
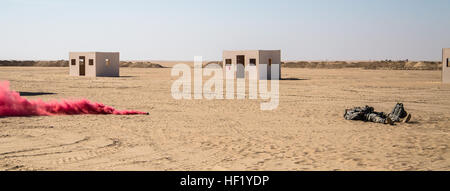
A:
x,y
12,104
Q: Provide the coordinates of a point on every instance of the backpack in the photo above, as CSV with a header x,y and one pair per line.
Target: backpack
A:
x,y
398,111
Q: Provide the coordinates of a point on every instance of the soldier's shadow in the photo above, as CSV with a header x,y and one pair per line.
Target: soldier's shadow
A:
x,y
410,123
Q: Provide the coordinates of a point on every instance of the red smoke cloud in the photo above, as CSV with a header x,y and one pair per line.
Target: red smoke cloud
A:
x,y
12,104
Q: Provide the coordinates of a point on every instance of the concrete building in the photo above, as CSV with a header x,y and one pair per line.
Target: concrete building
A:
x,y
445,65
262,60
94,64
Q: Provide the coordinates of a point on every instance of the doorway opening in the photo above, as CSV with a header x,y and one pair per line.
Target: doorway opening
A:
x,y
240,71
82,61
269,69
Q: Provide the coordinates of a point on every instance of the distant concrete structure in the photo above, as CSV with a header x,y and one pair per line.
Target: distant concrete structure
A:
x,y
445,65
262,60
94,64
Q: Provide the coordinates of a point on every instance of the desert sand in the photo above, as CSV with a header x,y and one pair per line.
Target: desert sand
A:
x,y
306,132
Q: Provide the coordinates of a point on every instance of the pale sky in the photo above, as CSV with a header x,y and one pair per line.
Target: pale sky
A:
x,y
180,30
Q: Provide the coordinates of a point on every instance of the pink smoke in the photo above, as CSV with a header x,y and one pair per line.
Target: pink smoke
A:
x,y
12,104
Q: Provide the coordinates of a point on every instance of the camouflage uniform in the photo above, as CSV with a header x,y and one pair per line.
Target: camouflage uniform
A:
x,y
367,113
376,117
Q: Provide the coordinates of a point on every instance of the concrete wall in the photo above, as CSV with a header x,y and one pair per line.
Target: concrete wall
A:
x,y
99,67
249,54
446,65
111,70
262,58
74,70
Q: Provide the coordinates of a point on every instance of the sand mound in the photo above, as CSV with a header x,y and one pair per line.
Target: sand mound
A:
x,y
65,63
58,63
212,64
140,65
371,65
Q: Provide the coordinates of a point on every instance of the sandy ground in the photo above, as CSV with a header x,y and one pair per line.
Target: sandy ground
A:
x,y
306,132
